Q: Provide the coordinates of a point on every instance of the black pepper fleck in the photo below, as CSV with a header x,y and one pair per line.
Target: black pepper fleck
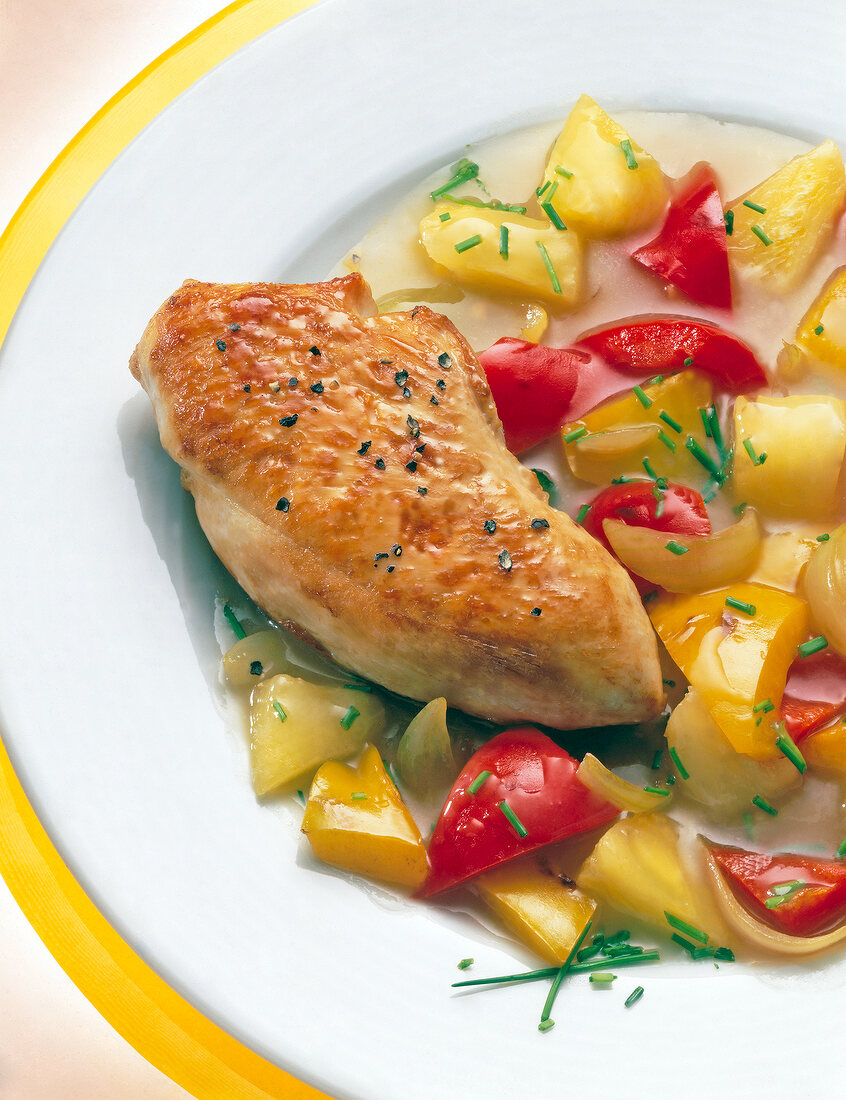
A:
x,y
536,611
539,523
247,388
406,393
413,427
283,504
396,550
256,668
505,561
411,465
314,351
401,377
293,382
420,448
386,362
433,400
316,387
441,384
390,569
422,490
220,345
378,557
379,464
445,360
235,328
289,421
490,526
364,448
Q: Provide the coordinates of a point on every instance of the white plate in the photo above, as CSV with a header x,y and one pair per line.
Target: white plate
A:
x,y
268,169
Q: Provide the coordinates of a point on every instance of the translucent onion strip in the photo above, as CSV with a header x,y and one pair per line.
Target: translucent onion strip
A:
x,y
697,563
741,921
619,792
824,586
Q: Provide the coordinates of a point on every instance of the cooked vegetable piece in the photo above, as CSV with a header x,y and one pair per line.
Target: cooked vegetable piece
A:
x,y
706,561
661,345
295,726
424,755
673,510
719,778
618,791
825,750
815,693
621,434
801,202
256,657
355,819
609,186
822,331
783,557
824,587
638,866
788,453
518,792
690,250
539,260
544,911
733,659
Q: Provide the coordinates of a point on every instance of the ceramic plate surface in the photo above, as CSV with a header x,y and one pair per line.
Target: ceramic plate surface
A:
x,y
270,168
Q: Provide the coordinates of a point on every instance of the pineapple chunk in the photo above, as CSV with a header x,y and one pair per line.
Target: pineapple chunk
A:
x,y
598,179
804,440
801,203
504,251
638,867
295,726
822,331
622,433
540,909
256,657
356,820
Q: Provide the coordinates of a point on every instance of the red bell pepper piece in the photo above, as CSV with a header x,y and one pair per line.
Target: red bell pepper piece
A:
x,y
797,895
815,693
690,251
517,793
664,345
636,503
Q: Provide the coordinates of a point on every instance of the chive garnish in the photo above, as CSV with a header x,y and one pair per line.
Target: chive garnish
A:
x,y
547,484
301,797
233,622
464,171
766,706
706,422
676,548
642,397
670,444
657,790
656,759
762,804
444,217
647,465
688,929
674,424
359,687
503,241
680,768
562,974
739,605
358,796
784,891
478,782
757,460
505,561
465,963
682,942
563,172
634,996
277,706
550,270
819,330
552,214
760,234
728,218
546,1025
749,825
823,538
541,191
469,242
754,206
513,820
602,979
583,511
813,646
626,146
575,434
788,747
703,458
841,851
724,954
349,717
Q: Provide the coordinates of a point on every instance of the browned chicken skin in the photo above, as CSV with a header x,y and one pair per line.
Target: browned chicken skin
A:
x,y
350,471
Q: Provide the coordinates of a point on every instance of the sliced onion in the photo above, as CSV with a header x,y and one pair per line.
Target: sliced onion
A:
x,y
593,774
824,587
741,921
709,561
424,755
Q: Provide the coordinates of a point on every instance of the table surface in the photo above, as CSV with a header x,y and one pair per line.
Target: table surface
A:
x,y
59,63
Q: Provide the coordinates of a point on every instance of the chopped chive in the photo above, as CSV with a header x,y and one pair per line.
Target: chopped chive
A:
x,y
590,951
634,996
513,820
621,950
470,242
233,622
547,484
706,422
552,214
688,929
813,646
739,509
647,465
277,706
703,458
659,507
358,796
749,825
703,953
674,424
682,942
642,397
787,746
724,954
739,605
841,851
444,217
526,976
541,191
754,206
465,963
576,433
301,797
618,937
478,781
669,683
626,146
760,234
583,511
757,460
656,790
676,548
670,444
505,561
728,218
762,804
563,172
349,717
602,978
465,171
656,759
562,973
680,768
823,538
819,330
546,1025
503,241
550,270
368,688
766,706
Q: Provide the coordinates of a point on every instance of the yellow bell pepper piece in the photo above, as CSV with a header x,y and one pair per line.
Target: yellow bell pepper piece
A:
x,y
638,867
539,908
825,750
505,251
598,179
822,331
800,203
784,555
355,819
804,440
735,660
627,430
